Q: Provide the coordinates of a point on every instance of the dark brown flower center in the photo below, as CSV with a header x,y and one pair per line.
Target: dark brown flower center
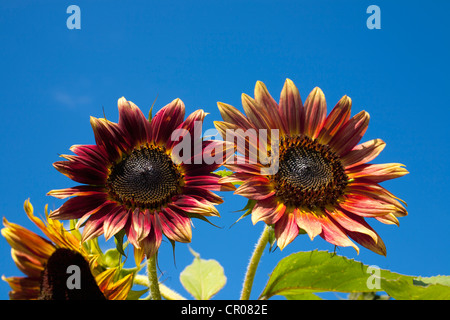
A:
x,y
146,178
310,175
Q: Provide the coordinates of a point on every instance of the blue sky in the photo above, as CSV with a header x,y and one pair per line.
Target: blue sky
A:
x,y
53,79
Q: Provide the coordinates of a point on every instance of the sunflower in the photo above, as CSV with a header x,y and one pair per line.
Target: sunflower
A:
x,y
323,184
141,178
32,254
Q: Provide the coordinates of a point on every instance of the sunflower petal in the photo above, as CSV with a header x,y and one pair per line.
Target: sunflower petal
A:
x,y
350,134
166,120
232,115
291,108
337,117
377,173
286,230
315,113
176,225
363,153
132,122
308,221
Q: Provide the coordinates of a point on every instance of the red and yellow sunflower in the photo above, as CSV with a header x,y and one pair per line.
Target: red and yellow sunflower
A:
x,y
324,184
133,182
31,254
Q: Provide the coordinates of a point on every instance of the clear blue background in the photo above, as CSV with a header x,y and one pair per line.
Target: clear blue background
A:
x,y
53,79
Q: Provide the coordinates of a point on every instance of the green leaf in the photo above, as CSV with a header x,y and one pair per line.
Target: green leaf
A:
x,y
248,210
415,289
118,238
203,278
112,258
319,271
303,296
136,294
223,173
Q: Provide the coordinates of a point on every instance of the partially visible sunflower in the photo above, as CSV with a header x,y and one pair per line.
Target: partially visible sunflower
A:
x,y
133,182
324,185
32,252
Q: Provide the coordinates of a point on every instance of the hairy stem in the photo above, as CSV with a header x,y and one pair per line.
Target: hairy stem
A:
x,y
153,278
253,264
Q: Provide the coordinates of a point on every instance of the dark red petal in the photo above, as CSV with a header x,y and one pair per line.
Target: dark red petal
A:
x,y
350,134
132,122
81,173
176,225
77,207
77,191
166,120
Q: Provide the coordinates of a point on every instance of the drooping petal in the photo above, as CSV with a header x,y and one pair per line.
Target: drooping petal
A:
x,y
152,242
291,108
190,204
309,221
376,245
94,225
115,222
286,230
268,210
334,234
351,222
140,226
363,153
175,225
337,117
315,113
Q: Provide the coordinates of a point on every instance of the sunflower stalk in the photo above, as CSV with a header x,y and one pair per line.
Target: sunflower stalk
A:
x,y
153,278
254,262
166,292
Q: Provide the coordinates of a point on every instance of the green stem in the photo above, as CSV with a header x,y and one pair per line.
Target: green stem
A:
x,y
166,292
153,278
253,264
